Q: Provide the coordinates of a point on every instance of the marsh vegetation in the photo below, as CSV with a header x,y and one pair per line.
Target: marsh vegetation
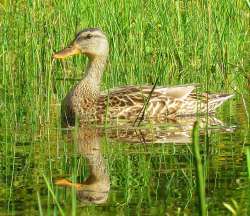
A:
x,y
148,170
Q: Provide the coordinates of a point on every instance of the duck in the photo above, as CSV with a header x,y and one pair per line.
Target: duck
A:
x,y
87,103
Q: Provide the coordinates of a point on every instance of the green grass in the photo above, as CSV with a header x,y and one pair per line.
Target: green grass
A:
x,y
248,161
180,42
200,182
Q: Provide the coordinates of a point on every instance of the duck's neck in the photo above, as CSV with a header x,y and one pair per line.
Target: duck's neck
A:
x,y
94,71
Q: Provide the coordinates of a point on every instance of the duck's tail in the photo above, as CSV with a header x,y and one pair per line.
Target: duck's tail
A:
x,y
216,100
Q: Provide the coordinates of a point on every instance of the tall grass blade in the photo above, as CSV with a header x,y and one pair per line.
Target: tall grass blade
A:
x,y
248,161
53,195
39,204
199,170
141,114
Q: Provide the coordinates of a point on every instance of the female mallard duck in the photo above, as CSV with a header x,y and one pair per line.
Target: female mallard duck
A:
x,y
87,103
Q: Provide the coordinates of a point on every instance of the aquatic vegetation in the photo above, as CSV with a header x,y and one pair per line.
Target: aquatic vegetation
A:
x,y
180,42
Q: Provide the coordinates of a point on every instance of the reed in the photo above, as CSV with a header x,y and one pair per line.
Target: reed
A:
x,y
199,170
248,161
180,42
53,195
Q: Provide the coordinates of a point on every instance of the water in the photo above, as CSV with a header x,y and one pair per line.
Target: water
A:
x,y
127,171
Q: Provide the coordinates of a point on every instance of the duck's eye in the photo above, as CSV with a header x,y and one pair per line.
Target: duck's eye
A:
x,y
88,36
82,37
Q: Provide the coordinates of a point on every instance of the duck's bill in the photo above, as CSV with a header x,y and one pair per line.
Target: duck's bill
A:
x,y
69,51
67,183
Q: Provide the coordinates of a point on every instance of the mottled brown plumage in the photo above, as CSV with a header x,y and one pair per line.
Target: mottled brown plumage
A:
x,y
87,103
95,188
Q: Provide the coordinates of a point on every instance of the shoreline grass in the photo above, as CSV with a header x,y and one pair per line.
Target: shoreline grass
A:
x,y
180,42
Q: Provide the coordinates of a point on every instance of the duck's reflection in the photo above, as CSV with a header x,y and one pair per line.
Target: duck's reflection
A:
x,y
178,130
97,186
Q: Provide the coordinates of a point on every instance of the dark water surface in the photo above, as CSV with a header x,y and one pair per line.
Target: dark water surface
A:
x,y
127,171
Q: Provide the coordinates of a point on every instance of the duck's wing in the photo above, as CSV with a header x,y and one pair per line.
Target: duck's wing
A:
x,y
128,101
180,91
202,103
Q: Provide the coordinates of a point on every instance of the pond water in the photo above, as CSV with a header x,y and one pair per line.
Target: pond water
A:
x,y
128,171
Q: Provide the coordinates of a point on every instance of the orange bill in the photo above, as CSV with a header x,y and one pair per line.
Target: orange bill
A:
x,y
69,51
67,183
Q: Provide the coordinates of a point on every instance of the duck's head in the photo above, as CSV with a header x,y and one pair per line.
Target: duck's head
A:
x,y
91,42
